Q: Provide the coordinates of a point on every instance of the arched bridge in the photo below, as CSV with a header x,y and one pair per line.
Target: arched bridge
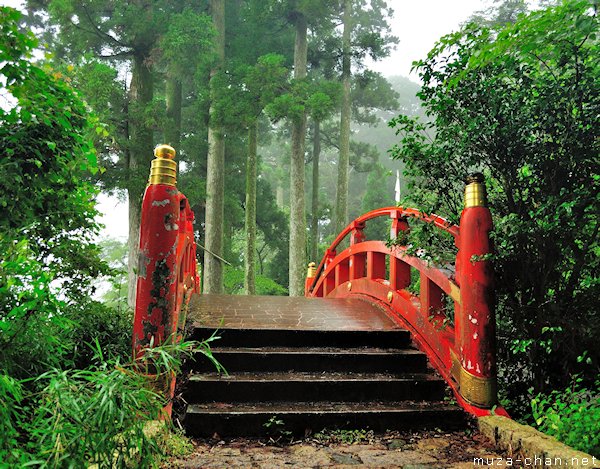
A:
x,y
343,354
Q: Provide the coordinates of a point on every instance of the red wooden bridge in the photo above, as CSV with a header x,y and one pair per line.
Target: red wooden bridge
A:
x,y
361,349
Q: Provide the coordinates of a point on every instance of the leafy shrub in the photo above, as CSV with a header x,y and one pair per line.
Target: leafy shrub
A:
x,y
31,319
234,284
51,413
572,416
98,415
94,416
49,257
520,105
11,396
94,322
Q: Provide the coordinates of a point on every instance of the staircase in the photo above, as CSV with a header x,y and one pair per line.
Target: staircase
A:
x,y
302,380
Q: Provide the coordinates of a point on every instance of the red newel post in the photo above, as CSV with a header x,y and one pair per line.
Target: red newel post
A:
x,y
476,326
155,317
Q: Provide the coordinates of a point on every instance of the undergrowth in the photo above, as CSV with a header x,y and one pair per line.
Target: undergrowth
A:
x,y
93,416
572,416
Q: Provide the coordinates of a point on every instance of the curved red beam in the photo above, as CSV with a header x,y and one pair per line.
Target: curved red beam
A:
x,y
391,212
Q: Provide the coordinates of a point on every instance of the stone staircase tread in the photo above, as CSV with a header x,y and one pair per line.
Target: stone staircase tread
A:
x,y
321,407
299,376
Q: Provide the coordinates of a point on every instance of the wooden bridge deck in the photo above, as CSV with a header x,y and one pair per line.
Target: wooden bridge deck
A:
x,y
282,312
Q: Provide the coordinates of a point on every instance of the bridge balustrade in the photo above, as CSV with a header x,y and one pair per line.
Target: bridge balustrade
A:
x,y
452,316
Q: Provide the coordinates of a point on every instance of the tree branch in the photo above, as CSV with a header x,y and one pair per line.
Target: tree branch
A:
x,y
99,32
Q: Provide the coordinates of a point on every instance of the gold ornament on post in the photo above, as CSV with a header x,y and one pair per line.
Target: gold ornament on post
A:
x,y
312,270
163,169
475,191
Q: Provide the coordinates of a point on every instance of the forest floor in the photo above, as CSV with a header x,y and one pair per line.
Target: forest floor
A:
x,y
407,450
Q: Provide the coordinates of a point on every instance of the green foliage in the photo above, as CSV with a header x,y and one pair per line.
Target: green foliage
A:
x,y
519,104
47,237
29,312
94,322
98,415
184,45
234,284
371,92
11,396
61,404
571,416
275,428
45,157
95,414
377,195
502,12
114,253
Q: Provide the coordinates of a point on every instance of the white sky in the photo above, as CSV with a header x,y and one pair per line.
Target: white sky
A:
x,y
417,24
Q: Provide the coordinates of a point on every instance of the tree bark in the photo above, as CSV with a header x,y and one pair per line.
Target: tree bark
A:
x,y
172,133
140,155
314,222
297,213
212,279
341,205
250,250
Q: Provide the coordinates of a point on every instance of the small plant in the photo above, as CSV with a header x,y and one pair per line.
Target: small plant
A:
x,y
275,428
571,416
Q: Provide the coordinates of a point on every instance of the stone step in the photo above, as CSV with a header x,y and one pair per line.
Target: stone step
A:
x,y
302,418
356,359
325,386
302,364
230,337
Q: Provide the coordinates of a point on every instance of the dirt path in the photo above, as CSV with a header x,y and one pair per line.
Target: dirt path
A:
x,y
391,450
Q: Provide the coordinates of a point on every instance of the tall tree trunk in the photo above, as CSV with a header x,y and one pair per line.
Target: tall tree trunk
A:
x,y
341,205
140,155
172,133
279,196
314,221
250,250
297,215
215,172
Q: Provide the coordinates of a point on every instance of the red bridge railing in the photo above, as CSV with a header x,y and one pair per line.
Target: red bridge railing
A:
x,y
463,352
167,274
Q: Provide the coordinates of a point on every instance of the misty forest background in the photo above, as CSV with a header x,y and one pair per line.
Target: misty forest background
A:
x,y
283,135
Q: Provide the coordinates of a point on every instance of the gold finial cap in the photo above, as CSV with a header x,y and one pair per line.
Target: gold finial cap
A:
x,y
312,270
163,169
165,151
475,191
